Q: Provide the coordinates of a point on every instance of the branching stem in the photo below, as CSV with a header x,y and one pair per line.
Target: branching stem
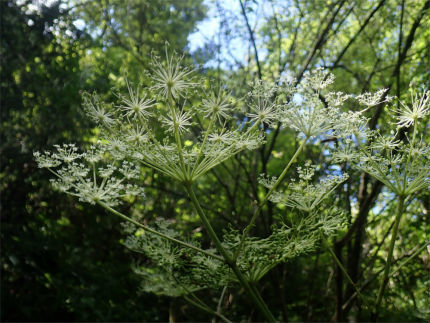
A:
x,y
345,272
253,293
162,235
389,258
266,198
206,309
177,136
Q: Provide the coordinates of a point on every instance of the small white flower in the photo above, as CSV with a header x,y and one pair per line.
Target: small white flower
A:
x,y
385,143
94,155
177,119
216,104
311,120
420,108
371,99
306,196
318,79
137,135
137,105
115,146
171,78
336,98
130,171
264,111
47,160
344,154
97,110
67,152
106,172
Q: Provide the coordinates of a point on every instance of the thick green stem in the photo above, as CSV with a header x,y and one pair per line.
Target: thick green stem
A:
x,y
256,297
207,225
389,258
266,198
146,228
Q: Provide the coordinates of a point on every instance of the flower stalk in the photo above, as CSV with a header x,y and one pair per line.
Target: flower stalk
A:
x,y
253,293
162,235
266,198
385,277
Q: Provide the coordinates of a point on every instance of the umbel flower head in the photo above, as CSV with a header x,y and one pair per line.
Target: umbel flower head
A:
x,y
97,110
419,109
161,134
170,78
304,195
313,112
403,167
136,104
84,176
217,103
262,102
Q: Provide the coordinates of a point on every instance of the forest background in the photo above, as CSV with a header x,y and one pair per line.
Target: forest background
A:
x,y
62,260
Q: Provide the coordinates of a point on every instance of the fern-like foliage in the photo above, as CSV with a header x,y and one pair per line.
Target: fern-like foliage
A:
x,y
173,270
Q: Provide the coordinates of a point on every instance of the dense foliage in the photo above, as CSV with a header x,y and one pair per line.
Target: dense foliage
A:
x,y
234,177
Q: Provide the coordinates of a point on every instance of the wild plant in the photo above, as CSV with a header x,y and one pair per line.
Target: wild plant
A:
x,y
160,127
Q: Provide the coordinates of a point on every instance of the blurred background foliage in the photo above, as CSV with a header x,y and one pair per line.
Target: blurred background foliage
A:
x,y
64,261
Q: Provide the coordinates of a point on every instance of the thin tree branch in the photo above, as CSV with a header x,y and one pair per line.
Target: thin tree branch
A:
x,y
252,38
354,38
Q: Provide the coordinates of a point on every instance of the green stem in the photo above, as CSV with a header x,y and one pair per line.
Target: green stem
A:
x,y
177,136
409,157
211,122
207,309
146,228
389,257
266,198
417,252
256,297
218,308
207,224
340,265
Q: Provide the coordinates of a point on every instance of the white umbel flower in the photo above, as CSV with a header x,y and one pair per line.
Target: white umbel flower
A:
x,y
179,119
419,109
171,79
81,176
216,104
97,110
136,105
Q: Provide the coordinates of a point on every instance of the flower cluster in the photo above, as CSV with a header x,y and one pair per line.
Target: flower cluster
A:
x,y
403,168
420,109
317,79
304,195
371,99
131,128
177,271
217,103
170,78
262,103
80,175
312,112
